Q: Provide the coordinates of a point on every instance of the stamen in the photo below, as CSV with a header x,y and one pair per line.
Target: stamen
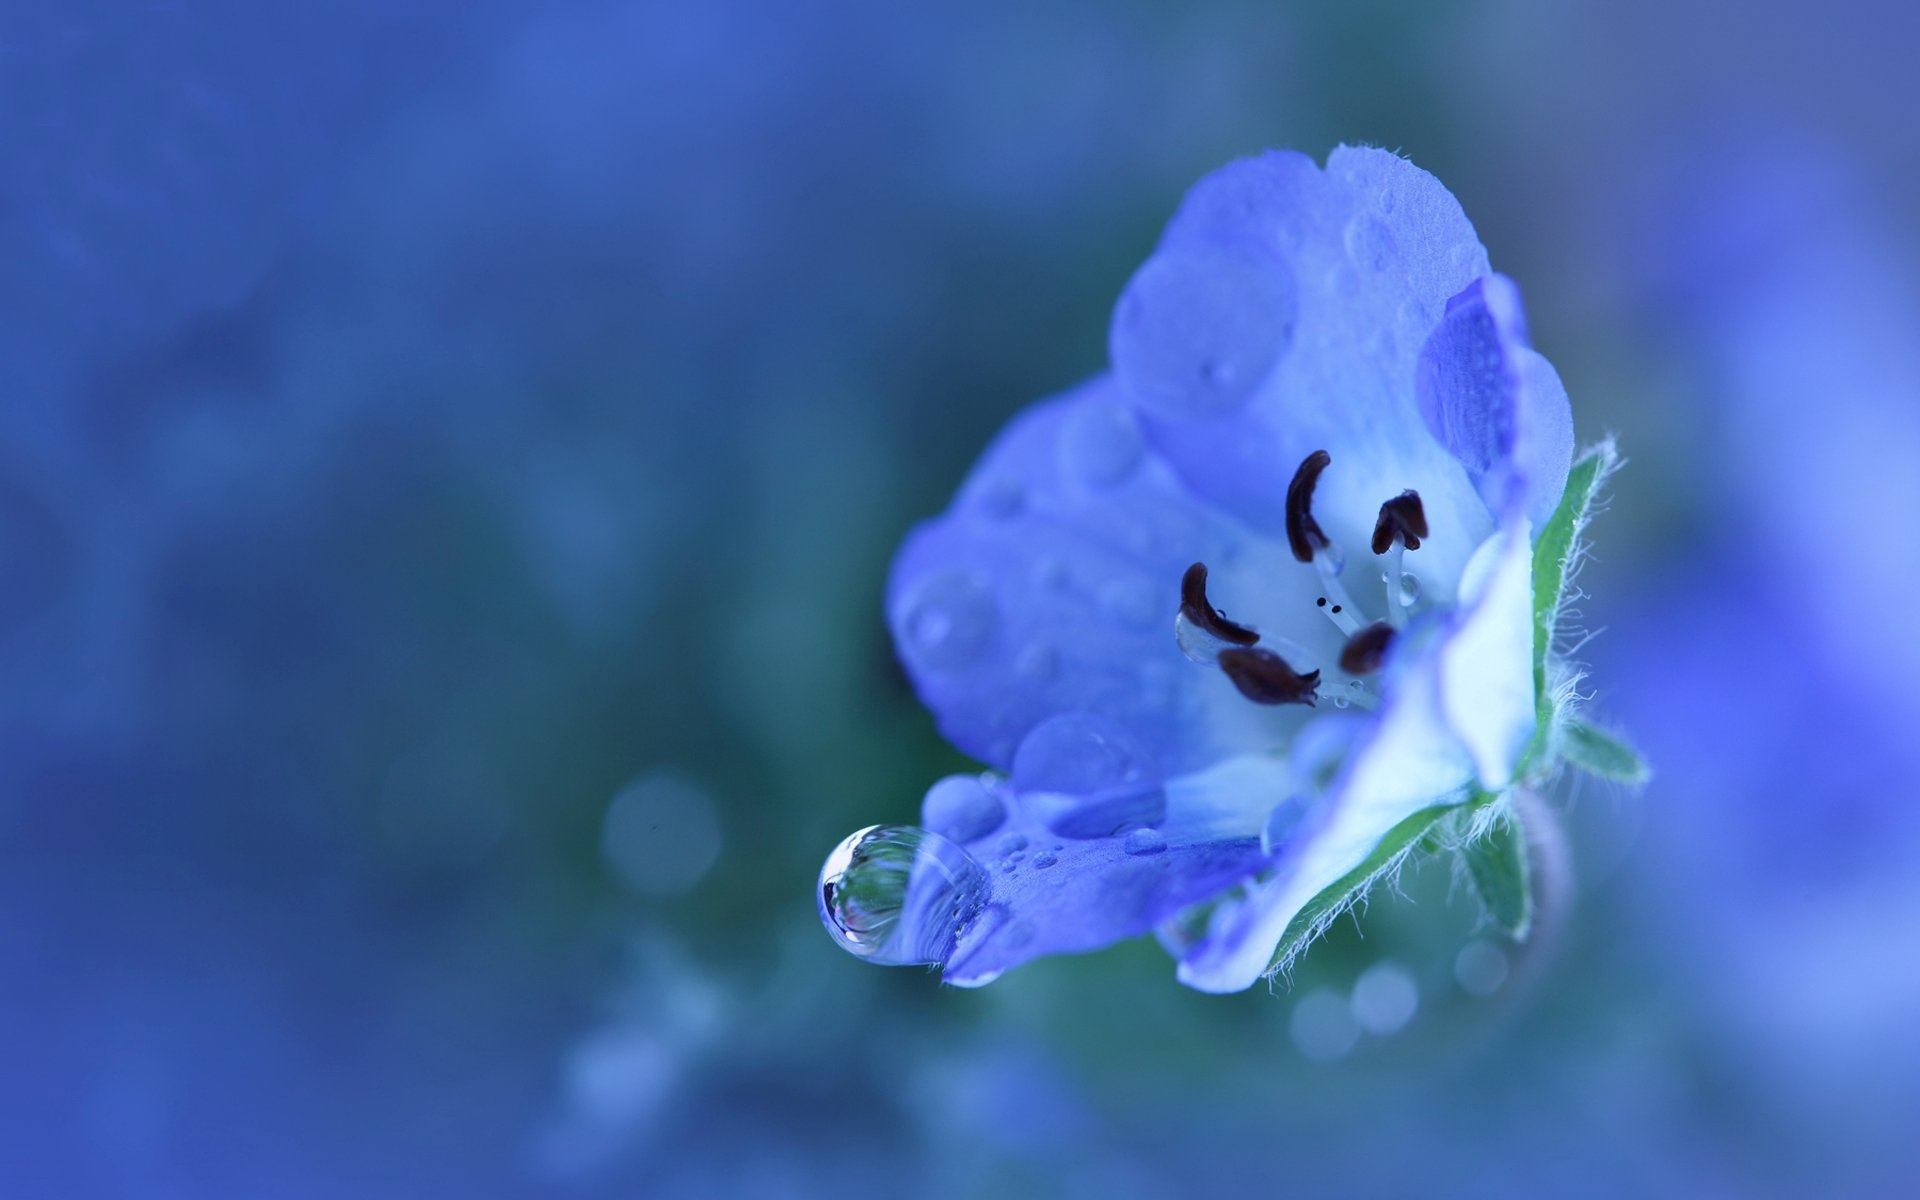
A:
x,y
1265,678
1334,602
1195,607
1303,532
1402,519
1366,650
1396,586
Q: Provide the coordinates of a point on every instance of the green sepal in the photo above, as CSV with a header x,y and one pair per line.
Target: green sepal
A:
x,y
1598,752
1553,555
1554,552
1312,920
1497,862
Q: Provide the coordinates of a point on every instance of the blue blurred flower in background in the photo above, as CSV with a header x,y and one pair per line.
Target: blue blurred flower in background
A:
x,y
1314,376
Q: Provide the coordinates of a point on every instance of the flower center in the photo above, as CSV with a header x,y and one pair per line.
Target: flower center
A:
x,y
1270,669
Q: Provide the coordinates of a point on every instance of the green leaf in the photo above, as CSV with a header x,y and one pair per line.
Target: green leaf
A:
x,y
1598,752
1497,864
1312,920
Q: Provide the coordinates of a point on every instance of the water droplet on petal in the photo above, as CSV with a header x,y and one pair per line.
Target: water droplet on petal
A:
x,y
962,807
1341,702
899,896
1387,200
1144,841
1044,859
1013,843
1100,444
1196,643
951,620
1409,588
1081,774
1197,330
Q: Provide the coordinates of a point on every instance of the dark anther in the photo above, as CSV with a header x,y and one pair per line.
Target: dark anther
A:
x,y
1402,517
1366,650
1194,604
1303,532
1265,678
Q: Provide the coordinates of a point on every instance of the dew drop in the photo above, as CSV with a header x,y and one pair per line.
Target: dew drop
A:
x,y
1144,841
1198,329
1013,843
1100,444
1196,643
898,895
962,807
1341,702
1387,200
1044,860
1409,588
1082,775
950,620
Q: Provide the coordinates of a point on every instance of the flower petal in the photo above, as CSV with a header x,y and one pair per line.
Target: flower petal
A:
x,y
1494,403
1062,895
1486,666
1334,280
1051,585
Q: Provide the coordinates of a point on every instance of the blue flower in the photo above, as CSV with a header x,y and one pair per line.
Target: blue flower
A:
x,y
1224,618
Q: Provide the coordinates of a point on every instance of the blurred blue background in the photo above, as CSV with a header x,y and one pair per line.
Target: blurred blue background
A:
x,y
449,457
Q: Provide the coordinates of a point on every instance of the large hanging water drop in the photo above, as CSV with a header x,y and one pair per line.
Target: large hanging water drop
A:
x,y
899,896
